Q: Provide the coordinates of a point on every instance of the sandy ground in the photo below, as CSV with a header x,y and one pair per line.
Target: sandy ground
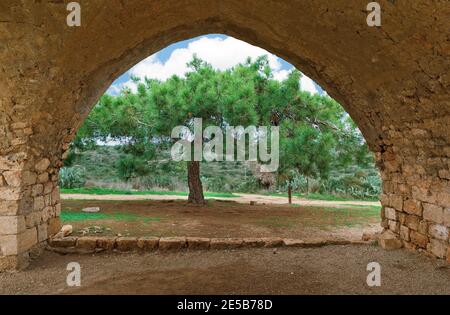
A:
x,y
326,270
243,198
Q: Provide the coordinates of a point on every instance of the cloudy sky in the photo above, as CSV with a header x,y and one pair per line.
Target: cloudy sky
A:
x,y
221,51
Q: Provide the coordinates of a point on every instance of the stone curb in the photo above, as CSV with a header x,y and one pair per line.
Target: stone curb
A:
x,y
90,244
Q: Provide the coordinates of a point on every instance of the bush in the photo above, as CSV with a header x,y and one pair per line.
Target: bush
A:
x,y
72,177
130,166
70,159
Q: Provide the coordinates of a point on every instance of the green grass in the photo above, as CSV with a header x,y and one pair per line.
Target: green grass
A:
x,y
369,207
105,191
69,216
360,211
317,196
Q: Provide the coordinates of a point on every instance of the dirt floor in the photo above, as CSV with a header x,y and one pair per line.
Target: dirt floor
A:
x,y
326,270
219,219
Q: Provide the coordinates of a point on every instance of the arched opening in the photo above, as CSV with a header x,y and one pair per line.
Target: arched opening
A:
x,y
392,81
322,163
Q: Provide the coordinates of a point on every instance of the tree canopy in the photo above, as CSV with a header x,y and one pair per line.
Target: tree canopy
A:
x,y
316,134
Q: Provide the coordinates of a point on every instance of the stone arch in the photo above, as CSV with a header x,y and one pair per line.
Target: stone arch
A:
x,y
393,80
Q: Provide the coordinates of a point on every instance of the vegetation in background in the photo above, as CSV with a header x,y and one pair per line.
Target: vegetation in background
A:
x,y
321,149
105,191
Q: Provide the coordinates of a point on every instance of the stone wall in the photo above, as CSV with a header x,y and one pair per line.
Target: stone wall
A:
x,y
393,80
29,210
416,188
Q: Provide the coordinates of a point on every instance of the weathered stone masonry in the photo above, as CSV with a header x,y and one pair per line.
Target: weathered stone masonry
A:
x,y
394,81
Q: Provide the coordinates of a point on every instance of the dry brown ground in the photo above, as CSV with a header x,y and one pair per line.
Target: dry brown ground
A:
x,y
221,219
326,270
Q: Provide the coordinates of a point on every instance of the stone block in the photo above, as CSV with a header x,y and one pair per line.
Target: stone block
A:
x,y
54,226
412,222
37,190
394,226
396,201
10,193
28,178
106,242
423,227
39,203
198,242
148,243
8,208
13,178
388,240
404,233
64,242
447,217
412,207
390,213
42,232
438,231
226,243
272,242
419,239
43,178
433,213
253,242
27,240
289,242
42,165
86,242
172,243
48,188
12,225
125,244
437,248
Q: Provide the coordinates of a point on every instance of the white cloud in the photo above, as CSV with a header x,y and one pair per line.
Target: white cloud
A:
x,y
306,84
221,53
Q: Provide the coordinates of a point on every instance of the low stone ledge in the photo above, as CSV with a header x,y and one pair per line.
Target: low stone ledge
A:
x,y
126,244
148,243
271,242
63,242
87,243
106,243
226,243
172,243
198,243
253,242
92,244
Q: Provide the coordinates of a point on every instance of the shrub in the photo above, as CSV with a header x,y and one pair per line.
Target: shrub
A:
x,y
130,166
72,177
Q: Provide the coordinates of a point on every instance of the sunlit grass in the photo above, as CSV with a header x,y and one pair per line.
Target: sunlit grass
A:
x,y
70,216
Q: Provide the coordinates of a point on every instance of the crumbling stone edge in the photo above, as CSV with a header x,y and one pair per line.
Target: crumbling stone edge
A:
x,y
93,244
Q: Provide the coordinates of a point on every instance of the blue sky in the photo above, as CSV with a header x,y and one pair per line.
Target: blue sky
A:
x,y
221,51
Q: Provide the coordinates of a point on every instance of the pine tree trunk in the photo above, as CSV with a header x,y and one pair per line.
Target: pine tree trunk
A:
x,y
195,184
290,193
